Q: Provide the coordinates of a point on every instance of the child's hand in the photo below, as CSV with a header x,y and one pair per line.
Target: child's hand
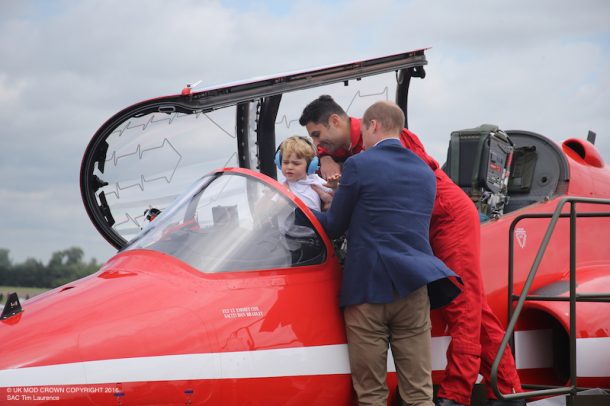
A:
x,y
333,181
325,197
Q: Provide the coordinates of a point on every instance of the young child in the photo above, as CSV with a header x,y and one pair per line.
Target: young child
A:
x,y
296,158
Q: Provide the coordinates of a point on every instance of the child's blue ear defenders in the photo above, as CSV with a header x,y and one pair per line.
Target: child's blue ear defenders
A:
x,y
312,167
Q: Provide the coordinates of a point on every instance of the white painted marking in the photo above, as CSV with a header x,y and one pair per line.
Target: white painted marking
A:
x,y
322,360
593,355
521,236
534,349
439,354
301,361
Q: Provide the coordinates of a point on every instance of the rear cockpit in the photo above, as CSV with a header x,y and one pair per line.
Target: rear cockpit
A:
x,y
539,170
505,171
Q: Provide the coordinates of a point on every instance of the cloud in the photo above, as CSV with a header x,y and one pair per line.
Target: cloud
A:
x,y
68,66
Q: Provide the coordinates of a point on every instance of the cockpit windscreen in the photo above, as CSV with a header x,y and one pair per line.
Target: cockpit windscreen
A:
x,y
231,222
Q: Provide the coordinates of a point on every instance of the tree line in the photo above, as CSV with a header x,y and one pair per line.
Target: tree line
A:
x,y
64,266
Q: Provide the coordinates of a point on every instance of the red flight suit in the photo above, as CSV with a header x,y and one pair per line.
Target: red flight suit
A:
x,y
476,333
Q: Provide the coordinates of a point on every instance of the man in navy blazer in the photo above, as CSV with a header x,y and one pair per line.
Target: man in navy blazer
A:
x,y
384,202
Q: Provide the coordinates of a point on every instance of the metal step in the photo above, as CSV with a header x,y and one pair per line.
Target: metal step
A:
x,y
589,397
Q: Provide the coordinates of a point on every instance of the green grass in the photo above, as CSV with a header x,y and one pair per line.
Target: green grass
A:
x,y
23,292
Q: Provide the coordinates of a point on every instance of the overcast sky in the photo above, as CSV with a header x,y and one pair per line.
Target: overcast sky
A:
x,y
67,66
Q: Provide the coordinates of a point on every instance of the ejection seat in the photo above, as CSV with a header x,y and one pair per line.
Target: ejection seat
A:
x,y
478,161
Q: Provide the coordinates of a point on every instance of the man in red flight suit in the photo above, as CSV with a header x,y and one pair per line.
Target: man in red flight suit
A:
x,y
475,331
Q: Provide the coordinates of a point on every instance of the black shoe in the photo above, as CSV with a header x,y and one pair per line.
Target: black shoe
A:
x,y
512,402
446,402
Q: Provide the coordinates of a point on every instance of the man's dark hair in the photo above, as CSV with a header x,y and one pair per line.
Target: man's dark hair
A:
x,y
319,110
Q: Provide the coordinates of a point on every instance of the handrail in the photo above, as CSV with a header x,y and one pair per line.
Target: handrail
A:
x,y
573,297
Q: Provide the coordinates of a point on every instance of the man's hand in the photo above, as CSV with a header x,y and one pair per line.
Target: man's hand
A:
x,y
325,197
328,167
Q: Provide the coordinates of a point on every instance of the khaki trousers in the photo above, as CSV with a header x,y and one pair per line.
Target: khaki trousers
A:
x,y
405,325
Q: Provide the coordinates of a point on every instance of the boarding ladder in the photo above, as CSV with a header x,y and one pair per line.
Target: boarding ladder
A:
x,y
544,390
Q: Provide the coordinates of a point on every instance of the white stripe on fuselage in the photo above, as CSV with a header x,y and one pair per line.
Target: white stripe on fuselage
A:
x,y
593,356
301,361
322,360
534,349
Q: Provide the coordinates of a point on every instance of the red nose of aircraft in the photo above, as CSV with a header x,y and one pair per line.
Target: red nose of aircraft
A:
x,y
130,322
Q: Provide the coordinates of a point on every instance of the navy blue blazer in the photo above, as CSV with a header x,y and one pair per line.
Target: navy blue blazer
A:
x,y
384,202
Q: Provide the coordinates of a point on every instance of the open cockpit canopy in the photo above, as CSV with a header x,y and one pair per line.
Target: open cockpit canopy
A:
x,y
144,156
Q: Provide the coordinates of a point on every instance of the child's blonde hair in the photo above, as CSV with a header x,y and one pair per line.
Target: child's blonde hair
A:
x,y
302,147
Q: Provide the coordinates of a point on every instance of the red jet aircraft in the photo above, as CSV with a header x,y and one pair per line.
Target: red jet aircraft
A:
x,y
223,299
